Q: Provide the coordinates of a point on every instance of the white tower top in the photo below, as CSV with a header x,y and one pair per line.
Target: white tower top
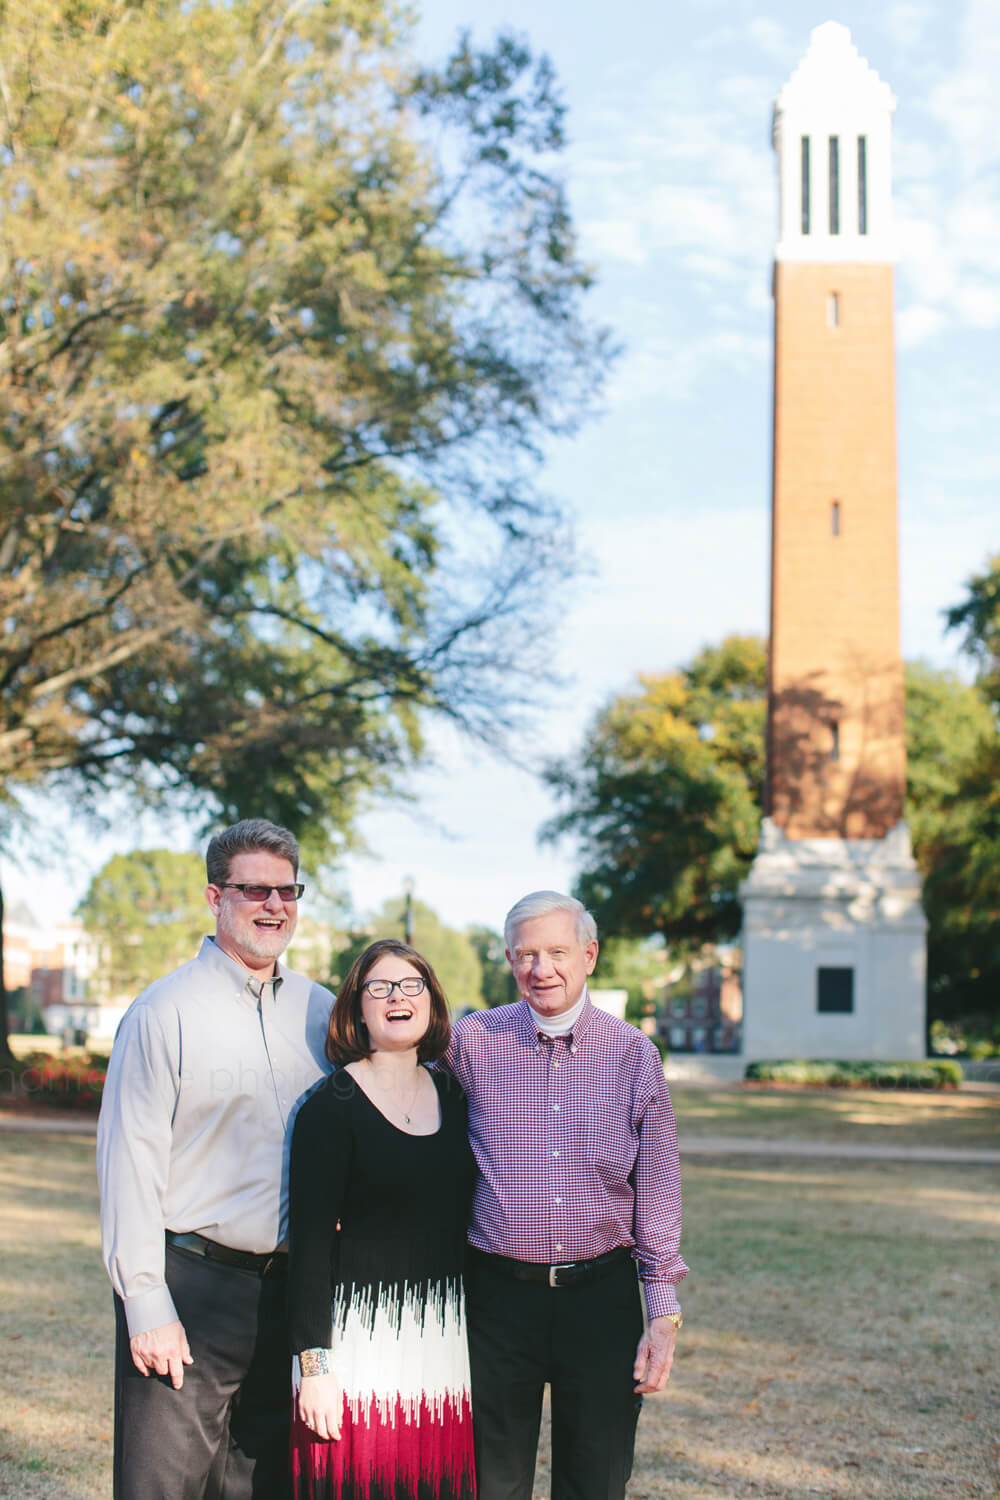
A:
x,y
833,135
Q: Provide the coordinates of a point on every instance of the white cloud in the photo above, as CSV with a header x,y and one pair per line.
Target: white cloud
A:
x,y
613,239
979,304
948,190
769,36
916,324
965,101
674,368
906,23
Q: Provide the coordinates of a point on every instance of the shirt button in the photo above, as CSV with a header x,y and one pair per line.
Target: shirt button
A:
x,y
573,1048
556,1065
556,1108
559,1247
555,1153
558,1200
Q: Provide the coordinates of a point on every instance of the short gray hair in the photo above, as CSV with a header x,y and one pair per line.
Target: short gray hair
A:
x,y
247,837
540,904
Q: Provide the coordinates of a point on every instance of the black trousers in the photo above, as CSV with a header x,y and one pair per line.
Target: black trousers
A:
x,y
225,1434
582,1341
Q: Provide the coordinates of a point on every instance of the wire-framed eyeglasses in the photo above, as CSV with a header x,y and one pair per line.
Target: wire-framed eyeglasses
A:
x,y
262,892
381,989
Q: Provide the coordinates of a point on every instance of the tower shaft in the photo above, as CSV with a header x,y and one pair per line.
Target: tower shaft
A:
x,y
836,757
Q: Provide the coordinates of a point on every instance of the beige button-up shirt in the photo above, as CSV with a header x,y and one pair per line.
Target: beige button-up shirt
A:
x,y
207,1072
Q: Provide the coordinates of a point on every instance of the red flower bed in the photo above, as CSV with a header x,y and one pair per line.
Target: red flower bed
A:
x,y
60,1082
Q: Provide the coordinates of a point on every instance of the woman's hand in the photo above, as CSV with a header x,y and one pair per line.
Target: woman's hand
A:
x,y
321,1405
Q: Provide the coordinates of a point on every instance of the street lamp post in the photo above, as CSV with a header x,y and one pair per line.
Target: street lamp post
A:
x,y
408,911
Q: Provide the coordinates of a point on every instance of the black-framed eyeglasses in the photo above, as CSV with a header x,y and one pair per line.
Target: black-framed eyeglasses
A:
x,y
263,892
381,989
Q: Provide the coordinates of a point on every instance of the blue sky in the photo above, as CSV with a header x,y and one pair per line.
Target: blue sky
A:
x,y
672,183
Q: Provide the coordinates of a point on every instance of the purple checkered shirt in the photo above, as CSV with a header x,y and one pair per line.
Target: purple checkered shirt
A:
x,y
575,1141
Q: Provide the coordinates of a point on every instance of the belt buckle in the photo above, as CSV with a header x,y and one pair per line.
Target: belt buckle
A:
x,y
566,1265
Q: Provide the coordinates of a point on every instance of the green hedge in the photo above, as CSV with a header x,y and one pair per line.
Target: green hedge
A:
x,y
936,1074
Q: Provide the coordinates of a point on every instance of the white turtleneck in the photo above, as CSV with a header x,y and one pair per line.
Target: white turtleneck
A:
x,y
562,1023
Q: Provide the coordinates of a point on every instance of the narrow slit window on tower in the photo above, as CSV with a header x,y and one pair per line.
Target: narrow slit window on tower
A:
x,y
833,310
834,741
835,517
862,184
805,184
834,184
834,990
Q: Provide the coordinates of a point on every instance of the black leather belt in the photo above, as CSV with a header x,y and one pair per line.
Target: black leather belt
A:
x,y
241,1260
570,1273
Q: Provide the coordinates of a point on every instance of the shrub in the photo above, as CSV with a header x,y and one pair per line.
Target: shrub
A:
x,y
58,1082
973,1038
939,1073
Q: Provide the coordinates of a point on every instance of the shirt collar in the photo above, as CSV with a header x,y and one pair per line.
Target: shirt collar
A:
x,y
245,982
530,1032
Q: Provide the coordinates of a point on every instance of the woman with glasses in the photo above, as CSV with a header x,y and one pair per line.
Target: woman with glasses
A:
x,y
381,1181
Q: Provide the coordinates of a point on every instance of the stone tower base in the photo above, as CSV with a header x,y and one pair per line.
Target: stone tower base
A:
x,y
833,949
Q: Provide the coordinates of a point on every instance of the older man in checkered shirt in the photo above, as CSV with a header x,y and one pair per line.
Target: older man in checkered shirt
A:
x,y
578,1189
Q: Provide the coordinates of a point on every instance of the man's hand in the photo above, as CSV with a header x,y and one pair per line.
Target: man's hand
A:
x,y
162,1351
321,1405
654,1356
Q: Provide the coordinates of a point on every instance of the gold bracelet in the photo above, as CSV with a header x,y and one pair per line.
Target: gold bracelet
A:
x,y
677,1319
314,1362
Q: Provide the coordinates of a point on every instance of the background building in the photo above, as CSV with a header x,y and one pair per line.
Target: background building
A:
x,y
49,972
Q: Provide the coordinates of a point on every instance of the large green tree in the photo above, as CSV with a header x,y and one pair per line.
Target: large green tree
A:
x,y
664,800
664,803
284,320
147,911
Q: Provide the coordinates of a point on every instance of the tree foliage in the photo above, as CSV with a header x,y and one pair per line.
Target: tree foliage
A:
x,y
147,911
451,954
664,802
977,618
639,966
954,817
282,321
964,881
499,986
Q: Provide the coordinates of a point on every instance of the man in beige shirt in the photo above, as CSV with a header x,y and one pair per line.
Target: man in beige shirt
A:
x,y
208,1070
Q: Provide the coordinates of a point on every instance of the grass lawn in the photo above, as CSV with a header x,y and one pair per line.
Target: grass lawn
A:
x,y
842,1332
897,1116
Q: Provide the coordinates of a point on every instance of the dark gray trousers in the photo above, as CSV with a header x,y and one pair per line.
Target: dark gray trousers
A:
x,y
224,1434
582,1342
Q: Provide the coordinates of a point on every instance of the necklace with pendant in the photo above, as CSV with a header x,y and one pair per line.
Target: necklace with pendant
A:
x,y
416,1090
388,1094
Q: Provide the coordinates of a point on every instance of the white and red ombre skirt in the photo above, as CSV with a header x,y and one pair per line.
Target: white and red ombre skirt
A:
x,y
401,1356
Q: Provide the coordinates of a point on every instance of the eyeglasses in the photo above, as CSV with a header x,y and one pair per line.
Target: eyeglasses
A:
x,y
263,892
381,989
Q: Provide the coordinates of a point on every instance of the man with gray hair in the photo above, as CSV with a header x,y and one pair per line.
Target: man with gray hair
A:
x,y
578,1188
207,1073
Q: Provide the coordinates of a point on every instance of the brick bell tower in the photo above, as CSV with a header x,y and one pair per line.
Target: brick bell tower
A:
x,y
834,935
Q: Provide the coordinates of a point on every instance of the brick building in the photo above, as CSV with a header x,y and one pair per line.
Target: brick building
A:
x,y
48,972
702,1006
